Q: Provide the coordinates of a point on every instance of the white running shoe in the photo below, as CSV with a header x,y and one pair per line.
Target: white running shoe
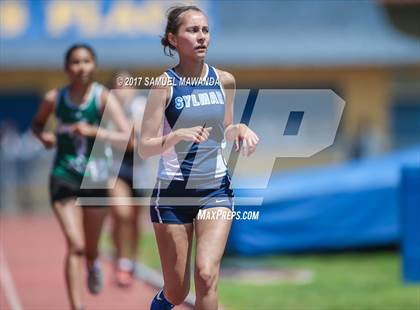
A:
x,y
95,279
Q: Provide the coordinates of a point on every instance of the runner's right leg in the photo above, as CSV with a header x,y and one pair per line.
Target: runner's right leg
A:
x,y
174,243
123,232
93,219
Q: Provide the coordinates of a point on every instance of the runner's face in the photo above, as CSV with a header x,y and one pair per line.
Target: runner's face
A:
x,y
81,66
193,37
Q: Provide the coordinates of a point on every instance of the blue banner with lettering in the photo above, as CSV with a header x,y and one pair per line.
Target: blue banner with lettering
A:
x,y
44,21
37,33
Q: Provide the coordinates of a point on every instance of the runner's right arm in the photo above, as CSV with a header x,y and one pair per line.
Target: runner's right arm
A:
x,y
151,142
45,109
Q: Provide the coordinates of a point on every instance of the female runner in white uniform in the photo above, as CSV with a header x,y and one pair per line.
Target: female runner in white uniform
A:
x,y
196,118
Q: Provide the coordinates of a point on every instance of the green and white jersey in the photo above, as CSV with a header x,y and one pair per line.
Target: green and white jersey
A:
x,y
76,156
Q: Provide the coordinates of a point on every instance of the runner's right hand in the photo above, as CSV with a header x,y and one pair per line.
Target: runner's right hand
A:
x,y
196,134
48,139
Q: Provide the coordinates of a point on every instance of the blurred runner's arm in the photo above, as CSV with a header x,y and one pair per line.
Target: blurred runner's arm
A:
x,y
111,110
137,119
45,109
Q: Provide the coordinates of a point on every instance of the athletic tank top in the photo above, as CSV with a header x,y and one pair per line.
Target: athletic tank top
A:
x,y
194,104
73,159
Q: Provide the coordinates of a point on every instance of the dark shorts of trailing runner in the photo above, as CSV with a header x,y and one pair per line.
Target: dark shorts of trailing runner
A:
x,y
61,189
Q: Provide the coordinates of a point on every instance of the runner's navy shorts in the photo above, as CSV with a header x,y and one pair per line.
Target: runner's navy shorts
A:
x,y
173,202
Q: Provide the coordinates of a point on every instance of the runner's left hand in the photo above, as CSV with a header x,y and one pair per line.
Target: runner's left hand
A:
x,y
248,139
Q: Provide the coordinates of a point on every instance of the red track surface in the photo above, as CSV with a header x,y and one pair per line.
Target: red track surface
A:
x,y
33,252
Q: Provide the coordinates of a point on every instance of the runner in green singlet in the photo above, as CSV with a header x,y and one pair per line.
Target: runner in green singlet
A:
x,y
78,108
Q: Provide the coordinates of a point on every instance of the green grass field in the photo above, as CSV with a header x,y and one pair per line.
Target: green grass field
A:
x,y
340,281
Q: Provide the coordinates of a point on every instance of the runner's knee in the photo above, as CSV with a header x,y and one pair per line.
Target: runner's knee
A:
x,y
124,217
76,248
206,276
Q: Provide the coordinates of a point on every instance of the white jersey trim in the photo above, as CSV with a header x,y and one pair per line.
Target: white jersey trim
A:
x,y
157,203
221,168
204,77
220,83
84,105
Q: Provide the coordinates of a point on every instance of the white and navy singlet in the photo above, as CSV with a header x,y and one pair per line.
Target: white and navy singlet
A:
x,y
192,176
190,106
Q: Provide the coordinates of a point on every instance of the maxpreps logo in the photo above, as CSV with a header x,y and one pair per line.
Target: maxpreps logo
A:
x,y
200,99
295,123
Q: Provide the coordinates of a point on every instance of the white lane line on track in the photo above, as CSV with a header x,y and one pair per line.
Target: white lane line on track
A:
x,y
6,282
